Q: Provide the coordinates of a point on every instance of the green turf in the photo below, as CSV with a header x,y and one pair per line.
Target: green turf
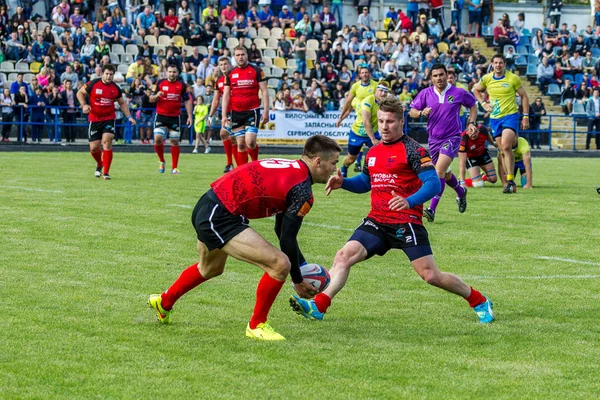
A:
x,y
79,256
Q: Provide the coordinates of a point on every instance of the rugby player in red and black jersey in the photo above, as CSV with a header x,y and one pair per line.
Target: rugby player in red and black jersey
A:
x,y
169,94
258,189
474,155
401,177
225,133
240,98
102,94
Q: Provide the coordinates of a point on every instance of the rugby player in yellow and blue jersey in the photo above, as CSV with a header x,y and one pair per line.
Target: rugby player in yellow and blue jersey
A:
x,y
523,165
360,90
502,87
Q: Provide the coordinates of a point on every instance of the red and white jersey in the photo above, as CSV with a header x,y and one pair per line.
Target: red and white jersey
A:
x,y
266,187
102,100
244,87
395,167
474,148
221,89
174,93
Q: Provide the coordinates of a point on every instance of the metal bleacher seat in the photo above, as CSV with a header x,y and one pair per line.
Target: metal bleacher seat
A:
x,y
114,58
27,78
126,59
122,69
531,70
595,52
311,54
524,41
252,32
533,59
521,61
267,71
247,42
578,79
272,43
260,43
165,40
151,40
264,33
232,42
117,49
522,50
12,77
203,50
276,32
553,90
269,53
273,83
7,66
267,61
279,62
312,44
276,72
291,63
22,67
225,30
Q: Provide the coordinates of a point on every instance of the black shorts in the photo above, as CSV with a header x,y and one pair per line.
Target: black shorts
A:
x,y
480,161
241,119
214,224
96,129
379,238
167,126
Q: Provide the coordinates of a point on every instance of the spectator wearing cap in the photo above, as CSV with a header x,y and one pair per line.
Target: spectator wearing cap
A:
x,y
265,16
145,21
286,18
228,16
435,29
391,19
423,24
366,20
240,27
367,47
327,19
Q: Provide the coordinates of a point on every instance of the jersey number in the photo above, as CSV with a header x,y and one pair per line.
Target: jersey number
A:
x,y
278,163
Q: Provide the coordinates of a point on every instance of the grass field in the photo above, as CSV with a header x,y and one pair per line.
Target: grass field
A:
x,y
80,255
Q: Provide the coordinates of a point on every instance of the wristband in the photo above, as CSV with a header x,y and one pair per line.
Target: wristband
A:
x,y
526,116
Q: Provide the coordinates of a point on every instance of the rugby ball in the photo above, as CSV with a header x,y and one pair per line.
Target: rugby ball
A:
x,y
316,275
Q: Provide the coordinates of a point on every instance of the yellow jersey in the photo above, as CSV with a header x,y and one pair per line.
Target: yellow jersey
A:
x,y
521,149
463,110
371,105
360,92
502,93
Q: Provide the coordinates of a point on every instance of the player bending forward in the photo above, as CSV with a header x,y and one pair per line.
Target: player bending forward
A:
x,y
522,155
401,177
259,189
474,156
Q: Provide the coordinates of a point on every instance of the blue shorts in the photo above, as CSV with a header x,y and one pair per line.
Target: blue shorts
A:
x,y
355,142
474,16
507,122
146,119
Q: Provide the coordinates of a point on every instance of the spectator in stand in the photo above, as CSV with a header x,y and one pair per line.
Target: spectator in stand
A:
x,y
558,72
593,112
486,14
345,77
567,97
145,22
135,70
252,17
100,51
171,23
579,45
110,33
240,28
21,112
14,48
87,51
317,28
284,47
304,26
418,33
7,103
538,43
536,111
228,16
437,12
551,35
583,94
501,35
545,74
576,63
554,11
125,32
37,102
366,20
549,53
286,18
391,19
254,55
390,70
412,10
265,16
564,35
298,103
469,68
451,34
92,35
69,99
513,36
474,17
327,19
324,55
70,75
435,30
39,49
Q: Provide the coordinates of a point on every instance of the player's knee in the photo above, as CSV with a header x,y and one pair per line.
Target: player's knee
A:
x,y
342,259
281,267
432,277
224,134
492,179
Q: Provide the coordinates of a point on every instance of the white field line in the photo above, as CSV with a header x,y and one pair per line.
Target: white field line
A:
x,y
33,189
180,206
568,260
537,277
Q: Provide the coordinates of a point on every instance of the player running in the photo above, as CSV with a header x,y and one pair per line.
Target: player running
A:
x,y
401,177
358,92
240,96
441,103
102,95
474,156
522,154
256,190
170,93
502,87
225,131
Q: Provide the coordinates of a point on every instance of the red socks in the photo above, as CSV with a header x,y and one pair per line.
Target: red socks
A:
x,y
253,153
322,301
475,298
175,156
234,153
242,157
189,279
160,151
106,160
98,157
266,292
228,151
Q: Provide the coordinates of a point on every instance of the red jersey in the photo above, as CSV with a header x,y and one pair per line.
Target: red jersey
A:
x,y
474,148
266,187
169,104
395,167
102,100
221,88
244,87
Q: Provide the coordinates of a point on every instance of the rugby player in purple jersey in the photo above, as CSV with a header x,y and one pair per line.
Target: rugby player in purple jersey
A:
x,y
441,104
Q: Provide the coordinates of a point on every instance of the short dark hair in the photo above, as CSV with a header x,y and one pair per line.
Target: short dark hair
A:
x,y
319,144
109,67
173,66
500,56
438,66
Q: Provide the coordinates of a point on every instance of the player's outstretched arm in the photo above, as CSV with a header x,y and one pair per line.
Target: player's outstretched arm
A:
x,y
334,182
346,110
431,186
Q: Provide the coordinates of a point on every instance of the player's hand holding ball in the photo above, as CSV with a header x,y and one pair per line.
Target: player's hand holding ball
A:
x,y
398,203
305,290
334,182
